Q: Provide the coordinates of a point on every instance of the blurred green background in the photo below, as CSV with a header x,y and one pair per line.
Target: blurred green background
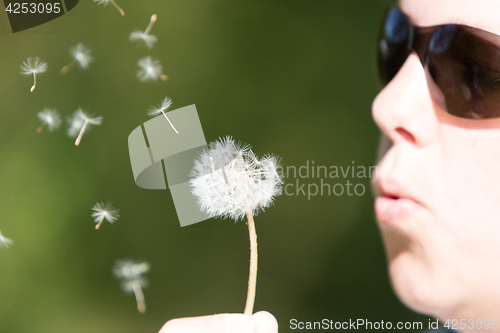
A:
x,y
294,78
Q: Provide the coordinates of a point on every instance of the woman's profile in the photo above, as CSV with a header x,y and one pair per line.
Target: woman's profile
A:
x,y
437,199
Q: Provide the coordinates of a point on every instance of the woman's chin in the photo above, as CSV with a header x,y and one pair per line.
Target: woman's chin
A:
x,y
420,287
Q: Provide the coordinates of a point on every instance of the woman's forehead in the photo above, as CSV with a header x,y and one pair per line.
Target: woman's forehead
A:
x,y
483,14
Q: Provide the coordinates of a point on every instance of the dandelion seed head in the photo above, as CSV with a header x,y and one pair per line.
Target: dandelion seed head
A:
x,y
162,107
129,269
105,212
75,125
149,69
77,121
131,273
50,118
82,54
33,66
148,39
4,241
248,184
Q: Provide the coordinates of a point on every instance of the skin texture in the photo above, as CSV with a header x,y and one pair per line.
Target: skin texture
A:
x,y
443,257
260,322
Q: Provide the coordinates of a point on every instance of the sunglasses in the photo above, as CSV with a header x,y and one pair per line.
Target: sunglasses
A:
x,y
462,63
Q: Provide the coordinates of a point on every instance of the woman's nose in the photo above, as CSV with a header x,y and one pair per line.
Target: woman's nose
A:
x,y
404,110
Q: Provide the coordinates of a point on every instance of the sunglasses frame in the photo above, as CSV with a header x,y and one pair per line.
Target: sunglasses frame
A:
x,y
454,43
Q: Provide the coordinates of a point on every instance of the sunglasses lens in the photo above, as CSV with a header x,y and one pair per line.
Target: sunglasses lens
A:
x,y
393,44
464,64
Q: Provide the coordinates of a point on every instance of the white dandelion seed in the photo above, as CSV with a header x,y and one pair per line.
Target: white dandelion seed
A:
x,y
107,2
130,274
229,181
79,123
33,66
104,212
76,123
81,55
5,241
148,39
49,118
161,108
150,70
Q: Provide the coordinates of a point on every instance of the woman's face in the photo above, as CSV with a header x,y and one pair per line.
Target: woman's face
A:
x,y
438,207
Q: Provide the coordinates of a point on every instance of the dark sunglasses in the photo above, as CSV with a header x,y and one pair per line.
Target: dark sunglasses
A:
x,y
462,63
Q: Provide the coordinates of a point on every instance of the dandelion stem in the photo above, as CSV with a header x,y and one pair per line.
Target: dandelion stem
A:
x,y
139,297
169,122
150,25
79,138
117,7
252,278
34,83
98,225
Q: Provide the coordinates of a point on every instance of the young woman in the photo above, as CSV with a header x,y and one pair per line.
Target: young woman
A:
x,y
438,190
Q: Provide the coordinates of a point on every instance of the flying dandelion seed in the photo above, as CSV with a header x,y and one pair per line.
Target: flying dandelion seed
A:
x,y
50,118
161,108
81,55
5,241
33,66
243,186
148,39
104,212
130,275
76,123
150,70
79,123
107,2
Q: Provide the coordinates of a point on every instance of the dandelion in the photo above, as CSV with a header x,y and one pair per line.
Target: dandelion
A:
x,y
107,2
79,123
150,70
130,274
161,108
81,55
33,66
5,241
104,212
49,118
229,181
148,39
